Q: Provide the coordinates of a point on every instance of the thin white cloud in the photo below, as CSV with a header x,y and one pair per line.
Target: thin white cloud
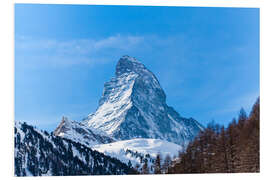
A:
x,y
118,41
78,51
79,45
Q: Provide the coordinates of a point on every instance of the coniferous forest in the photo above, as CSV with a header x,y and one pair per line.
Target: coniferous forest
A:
x,y
42,154
234,149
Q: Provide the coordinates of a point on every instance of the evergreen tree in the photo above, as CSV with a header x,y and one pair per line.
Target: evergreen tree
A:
x,y
129,164
157,165
137,167
145,169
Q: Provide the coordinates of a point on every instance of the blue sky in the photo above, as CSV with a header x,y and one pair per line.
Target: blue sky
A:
x,y
206,59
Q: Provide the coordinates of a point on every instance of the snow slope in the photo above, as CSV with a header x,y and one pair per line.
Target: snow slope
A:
x,y
141,146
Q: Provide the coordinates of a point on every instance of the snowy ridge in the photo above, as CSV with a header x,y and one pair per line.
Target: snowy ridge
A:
x,y
80,133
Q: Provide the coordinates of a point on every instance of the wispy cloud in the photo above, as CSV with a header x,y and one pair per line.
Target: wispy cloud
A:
x,y
39,52
61,53
118,41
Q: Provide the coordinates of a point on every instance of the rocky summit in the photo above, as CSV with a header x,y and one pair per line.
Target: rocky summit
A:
x,y
133,105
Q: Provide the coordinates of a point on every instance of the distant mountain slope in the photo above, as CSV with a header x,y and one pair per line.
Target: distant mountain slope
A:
x,y
39,154
78,132
133,105
135,150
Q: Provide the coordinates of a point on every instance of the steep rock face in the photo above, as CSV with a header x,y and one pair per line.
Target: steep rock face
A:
x,y
133,105
80,133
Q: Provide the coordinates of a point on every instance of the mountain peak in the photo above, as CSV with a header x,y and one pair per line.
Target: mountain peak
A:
x,y
128,58
133,105
63,126
127,64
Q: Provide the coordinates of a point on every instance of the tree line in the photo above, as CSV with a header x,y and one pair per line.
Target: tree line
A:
x,y
216,149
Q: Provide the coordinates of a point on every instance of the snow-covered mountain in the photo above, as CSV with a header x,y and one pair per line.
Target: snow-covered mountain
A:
x,y
133,105
135,150
78,132
38,153
131,125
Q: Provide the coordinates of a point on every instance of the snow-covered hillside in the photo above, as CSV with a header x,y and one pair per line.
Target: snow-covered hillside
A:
x,y
132,150
38,153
